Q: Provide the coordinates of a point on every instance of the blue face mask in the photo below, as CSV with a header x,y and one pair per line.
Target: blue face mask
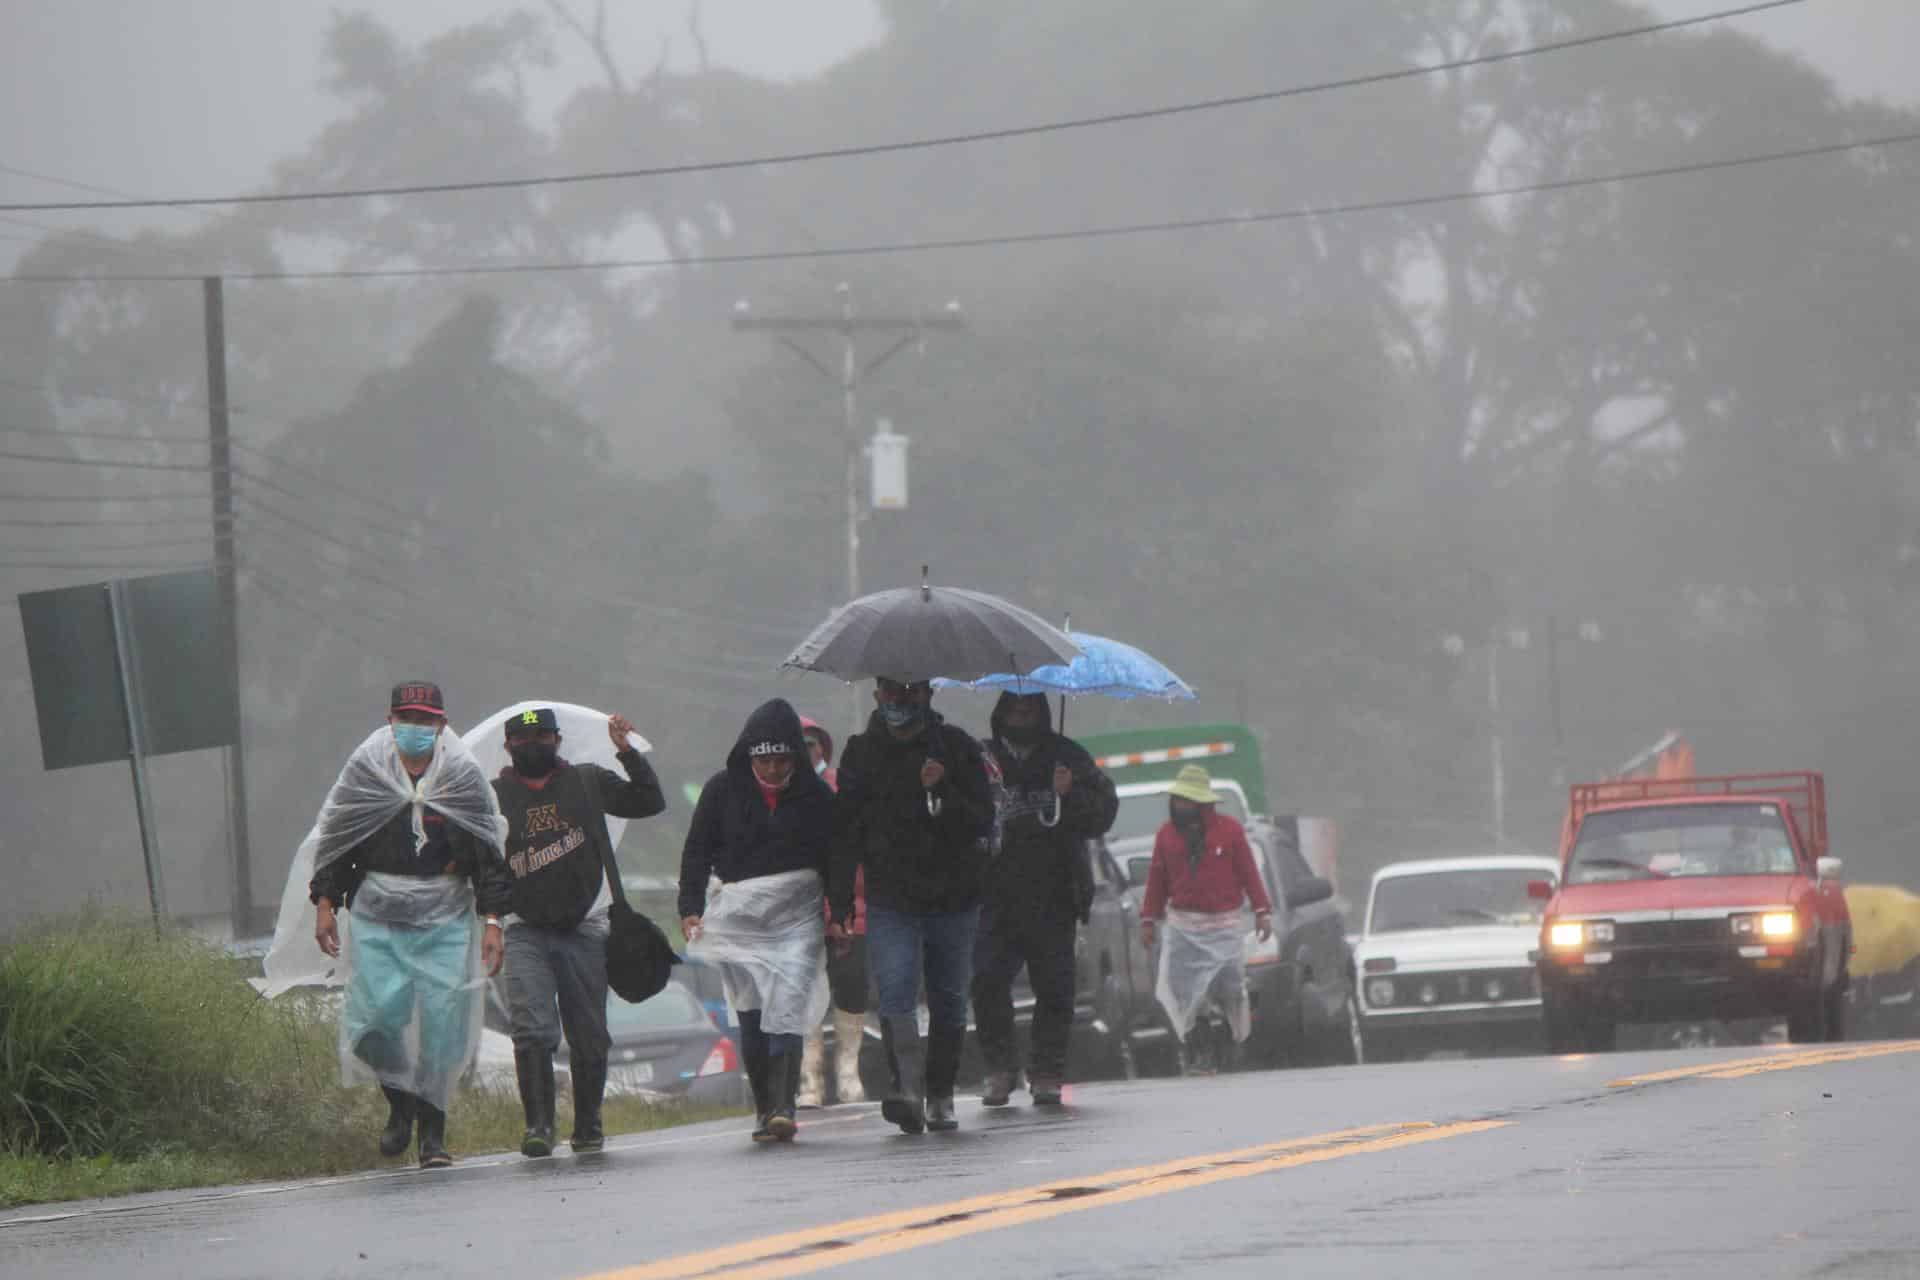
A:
x,y
415,739
899,715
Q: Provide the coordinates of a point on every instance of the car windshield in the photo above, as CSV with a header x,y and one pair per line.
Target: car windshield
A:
x,y
672,1009
1146,813
1681,840
1455,900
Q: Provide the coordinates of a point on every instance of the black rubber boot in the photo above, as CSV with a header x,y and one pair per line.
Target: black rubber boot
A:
x,y
398,1135
906,1100
533,1068
783,1085
433,1136
943,1068
753,1056
589,1089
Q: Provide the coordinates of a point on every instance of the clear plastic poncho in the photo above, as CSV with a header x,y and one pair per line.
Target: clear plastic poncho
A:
x,y
768,938
1203,954
409,947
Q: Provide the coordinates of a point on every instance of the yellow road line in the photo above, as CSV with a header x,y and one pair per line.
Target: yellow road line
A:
x,y
1786,1060
815,1249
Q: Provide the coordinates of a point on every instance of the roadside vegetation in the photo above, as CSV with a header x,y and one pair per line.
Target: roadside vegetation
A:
x,y
135,1061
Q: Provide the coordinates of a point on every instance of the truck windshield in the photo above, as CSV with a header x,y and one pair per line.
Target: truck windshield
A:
x,y
1454,900
1146,813
1681,840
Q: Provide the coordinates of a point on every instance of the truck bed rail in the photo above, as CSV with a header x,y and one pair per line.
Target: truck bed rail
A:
x,y
1803,793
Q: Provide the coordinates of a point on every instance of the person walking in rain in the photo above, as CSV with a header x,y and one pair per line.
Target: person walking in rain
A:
x,y
846,974
1052,800
408,843
761,835
915,813
558,852
1202,874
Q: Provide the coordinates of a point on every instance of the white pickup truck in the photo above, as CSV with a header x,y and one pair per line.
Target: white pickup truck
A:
x,y
1446,959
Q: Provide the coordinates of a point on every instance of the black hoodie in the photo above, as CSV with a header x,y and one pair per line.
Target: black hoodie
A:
x,y
735,836
915,861
1041,870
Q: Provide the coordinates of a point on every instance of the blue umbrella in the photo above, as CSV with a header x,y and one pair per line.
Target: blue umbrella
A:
x,y
1105,667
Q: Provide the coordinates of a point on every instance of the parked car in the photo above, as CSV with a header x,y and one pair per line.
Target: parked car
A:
x,y
1300,982
1446,956
666,1047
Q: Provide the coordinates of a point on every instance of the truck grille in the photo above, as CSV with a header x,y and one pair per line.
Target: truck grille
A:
x,y
1670,933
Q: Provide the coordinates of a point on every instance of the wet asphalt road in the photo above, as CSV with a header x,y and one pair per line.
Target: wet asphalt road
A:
x,y
1748,1162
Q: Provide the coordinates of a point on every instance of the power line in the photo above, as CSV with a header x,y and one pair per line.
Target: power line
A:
x,y
359,573
171,522
117,464
168,544
540,665
200,498
913,144
1303,213
83,433
157,566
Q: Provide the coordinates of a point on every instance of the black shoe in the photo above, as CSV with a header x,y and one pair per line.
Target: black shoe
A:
x,y
433,1137
940,1117
1046,1090
533,1068
398,1135
909,1114
589,1088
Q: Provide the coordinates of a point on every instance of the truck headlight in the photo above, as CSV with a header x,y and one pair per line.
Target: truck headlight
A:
x,y
1771,926
1380,993
1570,935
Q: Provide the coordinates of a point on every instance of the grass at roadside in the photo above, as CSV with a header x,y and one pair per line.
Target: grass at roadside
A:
x,y
131,1061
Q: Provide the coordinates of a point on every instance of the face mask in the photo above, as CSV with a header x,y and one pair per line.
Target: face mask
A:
x,y
1185,816
820,767
900,715
1021,735
415,739
534,759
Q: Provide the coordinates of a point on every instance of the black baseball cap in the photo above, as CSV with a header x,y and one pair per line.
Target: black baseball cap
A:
x,y
534,720
418,695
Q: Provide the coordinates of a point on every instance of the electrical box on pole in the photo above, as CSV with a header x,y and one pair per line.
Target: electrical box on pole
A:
x,y
889,454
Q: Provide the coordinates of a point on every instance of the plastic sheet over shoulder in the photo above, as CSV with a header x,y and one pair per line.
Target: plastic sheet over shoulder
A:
x,y
372,788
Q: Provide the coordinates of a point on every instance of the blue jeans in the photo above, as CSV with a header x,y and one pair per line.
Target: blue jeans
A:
x,y
905,946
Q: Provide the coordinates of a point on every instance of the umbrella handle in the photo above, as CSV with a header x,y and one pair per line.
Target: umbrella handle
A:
x,y
1055,821
934,805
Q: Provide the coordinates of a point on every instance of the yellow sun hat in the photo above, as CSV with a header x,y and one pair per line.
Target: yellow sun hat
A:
x,y
1196,784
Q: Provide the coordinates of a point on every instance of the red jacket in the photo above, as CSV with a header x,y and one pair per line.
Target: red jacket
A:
x,y
1225,877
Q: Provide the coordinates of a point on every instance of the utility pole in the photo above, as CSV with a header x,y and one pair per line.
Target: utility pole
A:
x,y
908,330
220,449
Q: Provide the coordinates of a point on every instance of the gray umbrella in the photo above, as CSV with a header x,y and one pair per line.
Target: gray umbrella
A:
x,y
917,633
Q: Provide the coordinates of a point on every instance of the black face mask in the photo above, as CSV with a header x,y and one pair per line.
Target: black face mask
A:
x,y
1023,735
534,759
1187,817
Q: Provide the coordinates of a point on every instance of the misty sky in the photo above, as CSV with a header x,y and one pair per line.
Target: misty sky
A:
x,y
193,96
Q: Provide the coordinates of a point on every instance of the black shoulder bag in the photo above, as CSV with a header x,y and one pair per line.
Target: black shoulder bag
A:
x,y
639,957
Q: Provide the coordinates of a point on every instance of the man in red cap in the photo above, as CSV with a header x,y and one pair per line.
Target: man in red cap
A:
x,y
407,842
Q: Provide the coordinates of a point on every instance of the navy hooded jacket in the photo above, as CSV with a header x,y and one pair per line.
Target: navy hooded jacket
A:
x,y
735,836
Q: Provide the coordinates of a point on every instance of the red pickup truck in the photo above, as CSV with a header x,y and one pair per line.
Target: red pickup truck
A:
x,y
1694,898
